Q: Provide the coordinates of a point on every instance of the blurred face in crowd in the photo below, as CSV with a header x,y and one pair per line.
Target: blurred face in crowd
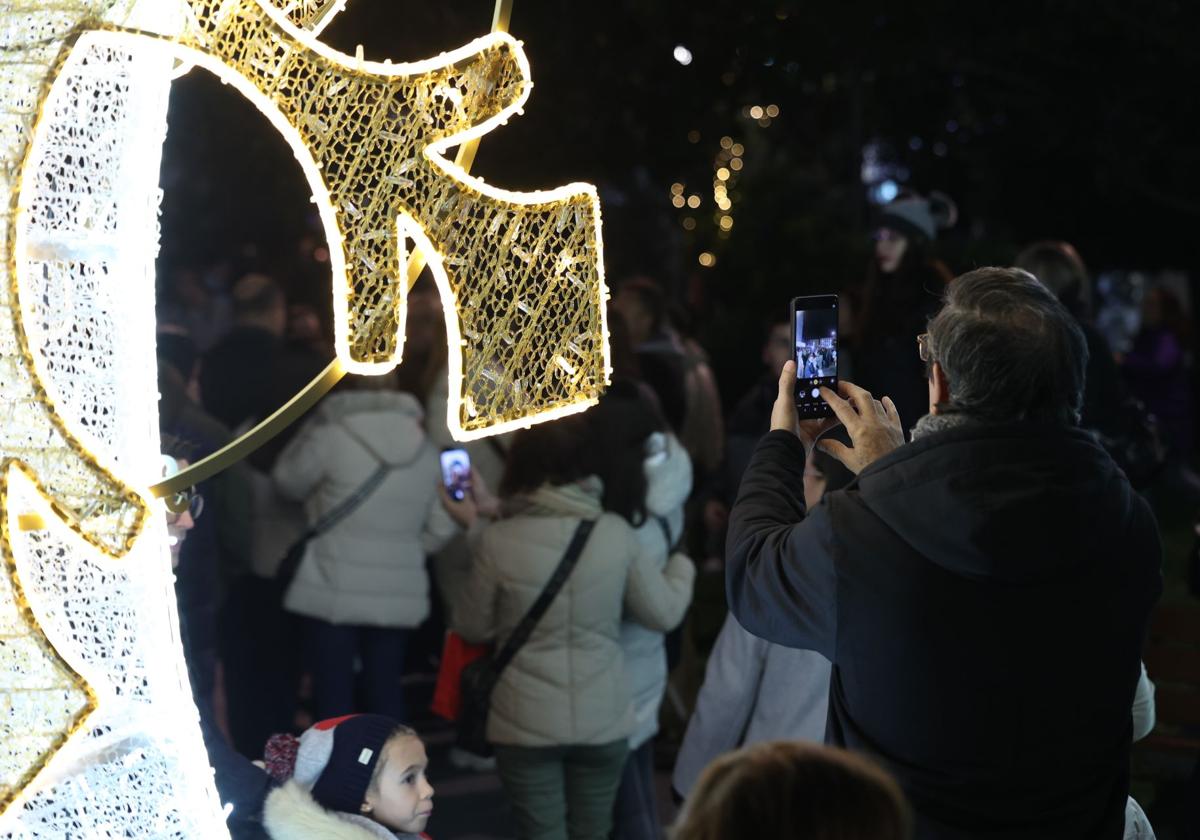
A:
x,y
401,798
637,319
304,324
778,348
889,249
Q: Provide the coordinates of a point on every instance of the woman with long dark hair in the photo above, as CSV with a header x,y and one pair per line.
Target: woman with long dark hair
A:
x,y
903,290
646,464
562,714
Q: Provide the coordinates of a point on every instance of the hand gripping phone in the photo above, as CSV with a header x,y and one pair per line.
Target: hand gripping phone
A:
x,y
456,473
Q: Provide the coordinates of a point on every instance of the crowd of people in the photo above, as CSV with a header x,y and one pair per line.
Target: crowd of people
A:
x,y
815,360
936,599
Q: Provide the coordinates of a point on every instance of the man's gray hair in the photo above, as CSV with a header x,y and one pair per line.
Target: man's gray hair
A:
x,y
1010,350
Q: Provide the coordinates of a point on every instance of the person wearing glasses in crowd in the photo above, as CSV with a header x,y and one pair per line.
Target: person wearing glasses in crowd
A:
x,y
240,783
983,591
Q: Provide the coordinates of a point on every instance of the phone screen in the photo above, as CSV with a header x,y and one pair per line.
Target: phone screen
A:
x,y
456,473
815,330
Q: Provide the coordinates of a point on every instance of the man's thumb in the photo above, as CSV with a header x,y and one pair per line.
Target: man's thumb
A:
x,y
787,380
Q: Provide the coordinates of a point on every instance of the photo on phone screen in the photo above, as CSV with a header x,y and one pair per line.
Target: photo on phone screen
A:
x,y
456,473
815,329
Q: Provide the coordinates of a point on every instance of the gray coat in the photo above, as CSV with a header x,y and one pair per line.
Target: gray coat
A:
x,y
753,691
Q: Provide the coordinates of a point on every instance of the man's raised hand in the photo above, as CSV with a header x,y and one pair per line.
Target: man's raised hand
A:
x,y
873,425
785,417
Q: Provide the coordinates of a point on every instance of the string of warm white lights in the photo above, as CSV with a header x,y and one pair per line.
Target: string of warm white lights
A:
x,y
728,162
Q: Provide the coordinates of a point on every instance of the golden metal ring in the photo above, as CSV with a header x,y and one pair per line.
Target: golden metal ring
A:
x,y
291,411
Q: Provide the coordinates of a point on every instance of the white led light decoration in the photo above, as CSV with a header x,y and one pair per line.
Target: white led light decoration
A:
x,y
100,737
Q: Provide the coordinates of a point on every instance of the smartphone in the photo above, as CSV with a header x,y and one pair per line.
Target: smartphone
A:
x,y
456,473
815,332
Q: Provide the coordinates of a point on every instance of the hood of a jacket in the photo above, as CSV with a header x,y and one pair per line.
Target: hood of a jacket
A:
x,y
579,498
291,813
389,422
1019,503
668,474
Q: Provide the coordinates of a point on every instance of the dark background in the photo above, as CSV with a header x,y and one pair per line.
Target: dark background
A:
x,y
1051,119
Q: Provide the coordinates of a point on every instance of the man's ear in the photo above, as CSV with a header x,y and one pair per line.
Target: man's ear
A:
x,y
939,387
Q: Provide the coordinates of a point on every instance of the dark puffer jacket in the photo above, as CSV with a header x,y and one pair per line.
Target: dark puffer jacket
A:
x,y
983,595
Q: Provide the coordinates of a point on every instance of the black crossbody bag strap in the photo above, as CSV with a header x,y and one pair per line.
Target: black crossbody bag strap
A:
x,y
521,635
290,564
346,507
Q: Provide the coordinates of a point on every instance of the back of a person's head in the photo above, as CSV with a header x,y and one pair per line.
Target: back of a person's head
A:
x,y
547,453
256,296
621,351
1009,349
621,422
176,348
794,789
650,296
1061,270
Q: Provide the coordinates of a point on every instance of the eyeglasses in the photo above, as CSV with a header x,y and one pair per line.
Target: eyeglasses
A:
x,y
923,347
185,501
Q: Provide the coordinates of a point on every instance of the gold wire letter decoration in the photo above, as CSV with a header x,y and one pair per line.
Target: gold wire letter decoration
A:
x,y
100,734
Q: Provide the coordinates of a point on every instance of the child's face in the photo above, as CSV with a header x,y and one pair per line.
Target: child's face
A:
x,y
402,798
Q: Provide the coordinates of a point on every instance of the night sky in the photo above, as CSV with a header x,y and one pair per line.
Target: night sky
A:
x,y
1042,120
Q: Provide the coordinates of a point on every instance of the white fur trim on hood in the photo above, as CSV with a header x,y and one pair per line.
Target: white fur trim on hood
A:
x,y
291,813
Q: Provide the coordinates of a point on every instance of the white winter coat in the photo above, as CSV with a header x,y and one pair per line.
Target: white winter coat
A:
x,y
291,813
668,484
567,685
369,568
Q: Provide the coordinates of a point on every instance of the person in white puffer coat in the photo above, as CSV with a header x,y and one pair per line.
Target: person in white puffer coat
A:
x,y
362,586
668,484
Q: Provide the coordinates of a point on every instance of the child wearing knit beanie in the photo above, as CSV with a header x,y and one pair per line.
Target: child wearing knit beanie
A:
x,y
359,777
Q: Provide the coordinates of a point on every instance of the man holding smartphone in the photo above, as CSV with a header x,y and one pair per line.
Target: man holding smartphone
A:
x,y
982,592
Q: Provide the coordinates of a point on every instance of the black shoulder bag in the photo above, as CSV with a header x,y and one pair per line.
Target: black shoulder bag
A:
x,y
479,678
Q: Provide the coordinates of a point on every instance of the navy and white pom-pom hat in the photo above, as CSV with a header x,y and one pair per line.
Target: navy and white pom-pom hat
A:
x,y
335,758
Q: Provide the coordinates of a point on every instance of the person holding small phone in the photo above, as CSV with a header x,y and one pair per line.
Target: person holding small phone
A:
x,y
362,585
983,591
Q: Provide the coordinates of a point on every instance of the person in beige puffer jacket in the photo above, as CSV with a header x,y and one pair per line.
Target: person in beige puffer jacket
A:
x,y
562,713
363,585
